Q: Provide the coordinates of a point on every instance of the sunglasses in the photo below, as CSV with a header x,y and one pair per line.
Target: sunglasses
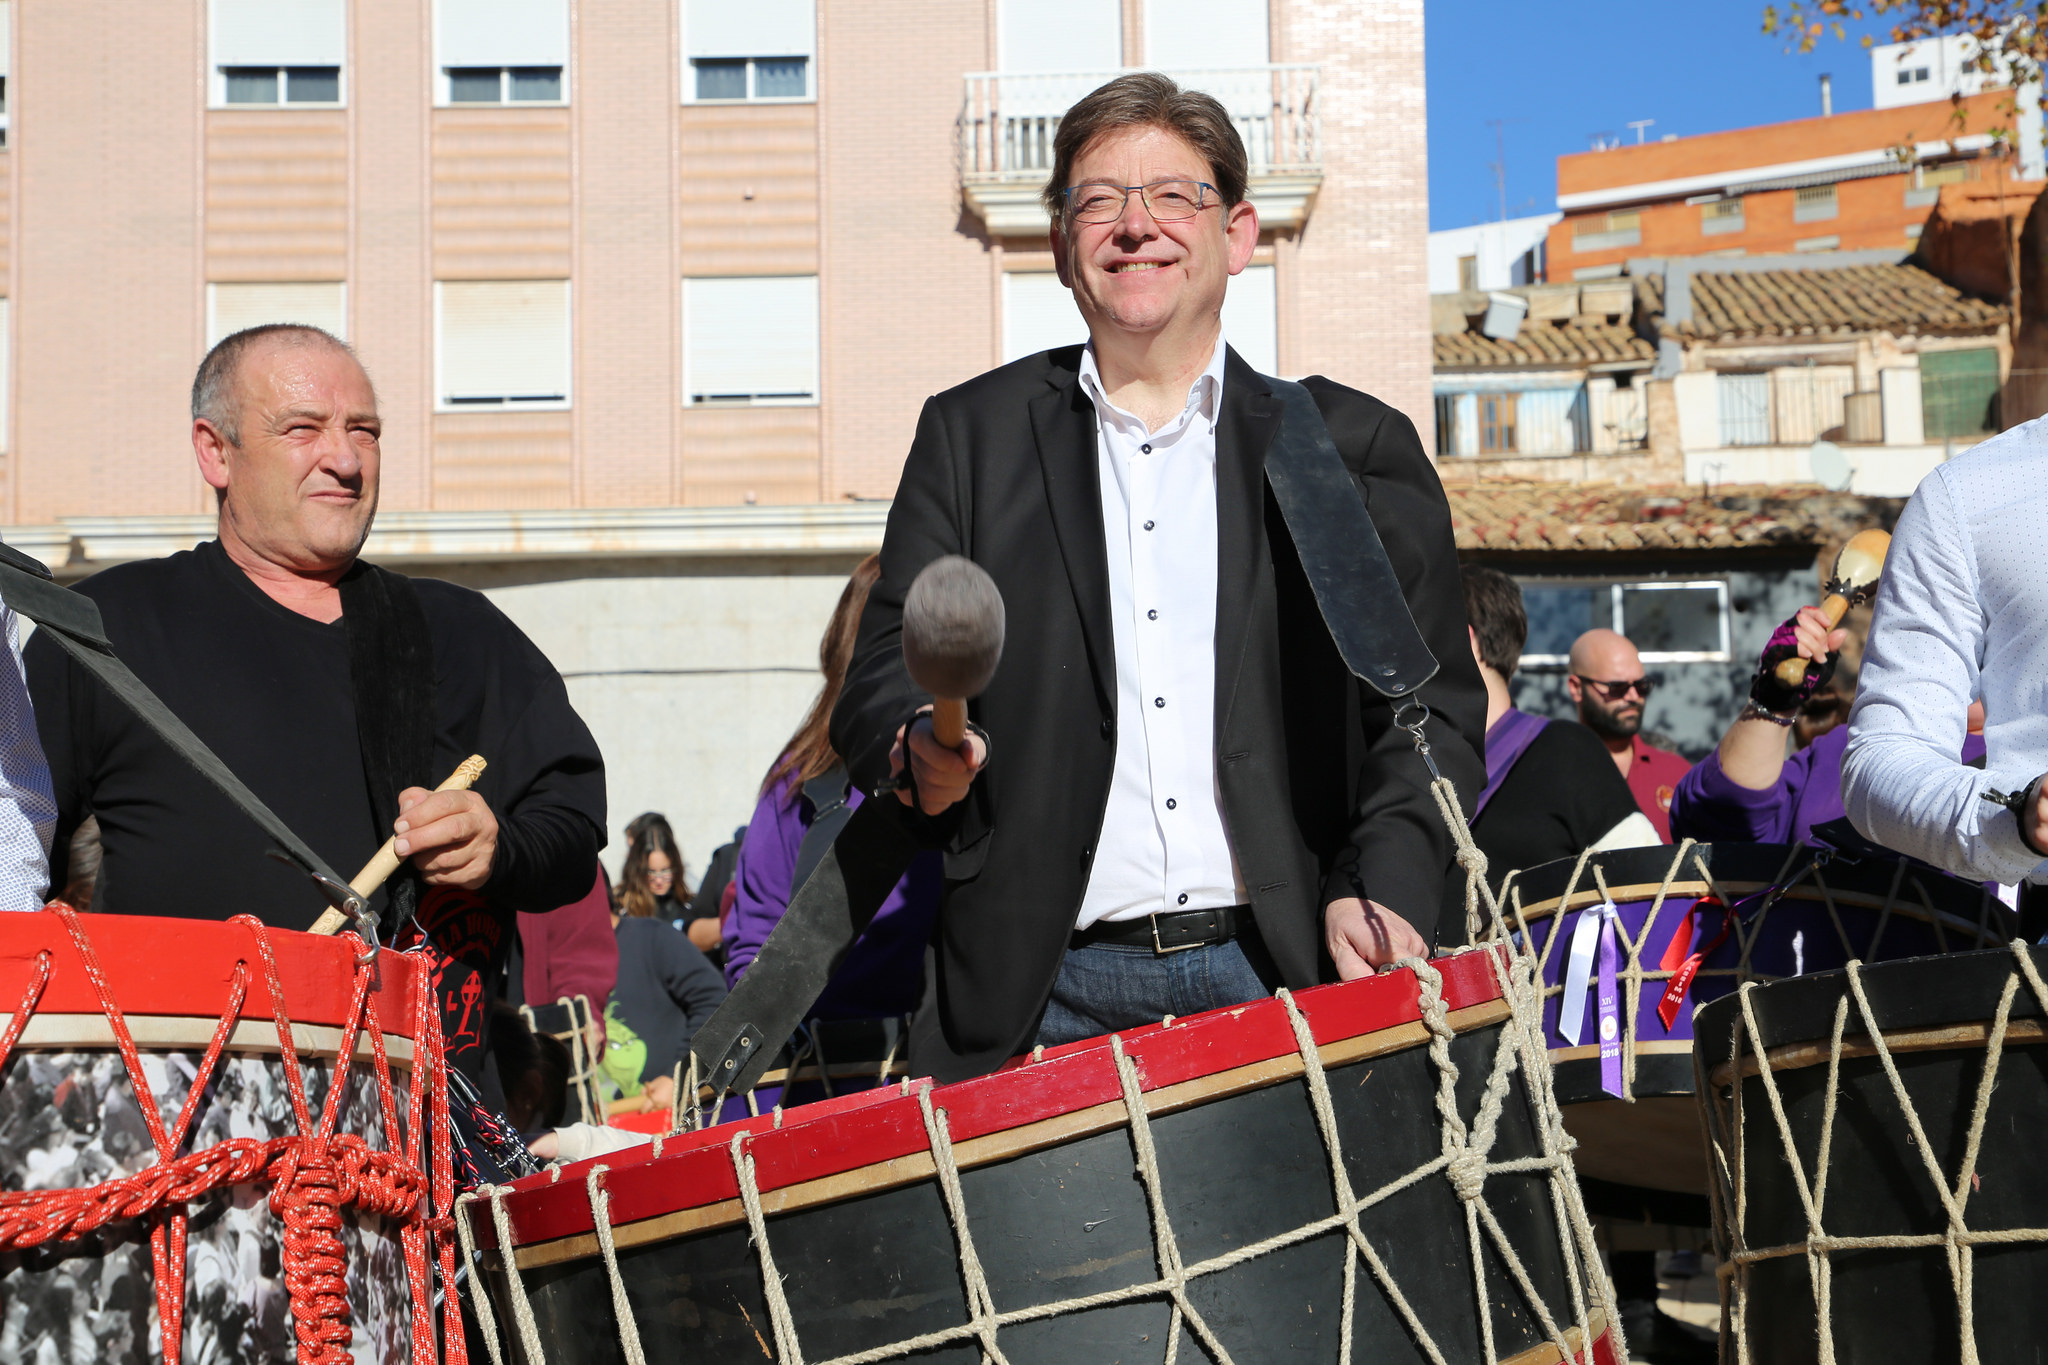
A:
x,y
1618,691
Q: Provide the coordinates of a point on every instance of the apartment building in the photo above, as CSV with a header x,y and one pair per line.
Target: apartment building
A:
x,y
652,290
1864,180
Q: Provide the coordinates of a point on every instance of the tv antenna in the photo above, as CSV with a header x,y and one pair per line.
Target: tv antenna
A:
x,y
1641,125
1500,161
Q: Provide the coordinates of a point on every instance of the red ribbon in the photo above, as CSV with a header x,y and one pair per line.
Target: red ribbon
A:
x,y
1683,966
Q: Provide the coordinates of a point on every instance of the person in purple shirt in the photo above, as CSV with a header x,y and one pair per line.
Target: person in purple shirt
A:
x,y
1748,790
883,975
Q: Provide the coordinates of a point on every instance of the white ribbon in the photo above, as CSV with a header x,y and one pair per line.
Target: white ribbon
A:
x,y
1578,971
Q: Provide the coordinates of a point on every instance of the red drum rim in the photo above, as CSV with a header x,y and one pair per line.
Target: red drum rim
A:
x,y
173,979
875,1140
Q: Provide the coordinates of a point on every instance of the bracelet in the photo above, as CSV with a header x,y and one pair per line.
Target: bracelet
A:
x,y
1754,712
2017,803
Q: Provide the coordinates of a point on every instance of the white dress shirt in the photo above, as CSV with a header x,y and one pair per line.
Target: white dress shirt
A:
x,y
1163,846
1962,612
28,802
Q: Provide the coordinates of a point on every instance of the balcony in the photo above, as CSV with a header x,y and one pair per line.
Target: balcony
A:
x,y
1008,122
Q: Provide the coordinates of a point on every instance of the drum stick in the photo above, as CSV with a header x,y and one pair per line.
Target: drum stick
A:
x,y
386,860
1857,569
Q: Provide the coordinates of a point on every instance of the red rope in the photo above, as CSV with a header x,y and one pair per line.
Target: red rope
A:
x,y
313,1174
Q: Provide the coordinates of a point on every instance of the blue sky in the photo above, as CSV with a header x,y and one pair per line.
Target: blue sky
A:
x,y
1562,72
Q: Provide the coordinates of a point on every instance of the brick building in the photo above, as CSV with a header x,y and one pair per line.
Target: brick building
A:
x,y
652,290
1846,182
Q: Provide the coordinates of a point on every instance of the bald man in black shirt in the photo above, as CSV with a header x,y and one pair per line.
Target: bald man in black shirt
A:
x,y
339,692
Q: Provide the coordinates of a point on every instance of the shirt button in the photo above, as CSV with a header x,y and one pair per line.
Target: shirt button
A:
x,y
1183,898
1148,525
1159,701
1108,727
1146,449
1172,804
1152,615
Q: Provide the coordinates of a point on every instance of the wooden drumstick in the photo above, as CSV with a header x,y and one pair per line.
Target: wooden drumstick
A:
x,y
1857,569
952,639
386,859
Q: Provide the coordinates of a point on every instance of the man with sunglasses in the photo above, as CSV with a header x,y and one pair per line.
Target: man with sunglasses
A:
x,y
1191,801
1610,689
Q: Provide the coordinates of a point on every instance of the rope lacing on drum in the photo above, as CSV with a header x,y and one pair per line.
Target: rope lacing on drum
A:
x,y
313,1173
1957,1239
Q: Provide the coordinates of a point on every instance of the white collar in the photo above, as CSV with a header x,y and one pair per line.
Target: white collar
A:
x,y
1204,395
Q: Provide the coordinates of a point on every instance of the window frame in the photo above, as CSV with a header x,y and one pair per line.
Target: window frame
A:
x,y
1617,619
442,403
810,95
1503,401
283,73
444,95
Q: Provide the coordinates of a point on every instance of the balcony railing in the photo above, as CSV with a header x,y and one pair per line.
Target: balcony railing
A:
x,y
1008,122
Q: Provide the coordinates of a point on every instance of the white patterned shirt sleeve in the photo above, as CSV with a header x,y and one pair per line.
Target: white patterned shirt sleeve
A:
x,y
28,803
1962,612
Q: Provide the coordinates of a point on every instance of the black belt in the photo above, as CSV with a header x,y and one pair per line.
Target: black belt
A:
x,y
1169,933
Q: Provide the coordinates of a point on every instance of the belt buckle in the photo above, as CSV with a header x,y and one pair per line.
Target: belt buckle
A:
x,y
1161,950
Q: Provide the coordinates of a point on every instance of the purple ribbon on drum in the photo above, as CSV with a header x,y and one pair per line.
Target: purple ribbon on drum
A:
x,y
1595,935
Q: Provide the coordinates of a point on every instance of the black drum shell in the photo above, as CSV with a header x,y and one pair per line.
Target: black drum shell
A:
x,y
1070,1219
1892,1303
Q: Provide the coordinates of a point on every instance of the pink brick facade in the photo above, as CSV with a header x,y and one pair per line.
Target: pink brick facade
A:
x,y
127,195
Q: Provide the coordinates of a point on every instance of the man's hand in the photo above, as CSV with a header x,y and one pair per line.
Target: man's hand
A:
x,y
2035,826
943,775
1363,936
703,933
451,837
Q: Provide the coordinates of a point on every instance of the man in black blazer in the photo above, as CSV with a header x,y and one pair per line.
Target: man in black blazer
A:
x,y
1190,801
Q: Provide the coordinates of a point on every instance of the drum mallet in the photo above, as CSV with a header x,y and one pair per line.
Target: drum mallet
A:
x,y
952,639
1854,580
386,860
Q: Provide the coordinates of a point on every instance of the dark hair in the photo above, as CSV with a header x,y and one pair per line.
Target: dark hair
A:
x,y
636,898
809,752
1493,604
526,1058
213,396
1146,99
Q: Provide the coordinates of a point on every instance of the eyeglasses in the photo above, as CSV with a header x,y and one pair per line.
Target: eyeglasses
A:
x,y
1168,201
656,874
1618,691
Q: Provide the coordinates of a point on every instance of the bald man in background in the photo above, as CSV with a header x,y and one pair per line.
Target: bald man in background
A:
x,y
1610,689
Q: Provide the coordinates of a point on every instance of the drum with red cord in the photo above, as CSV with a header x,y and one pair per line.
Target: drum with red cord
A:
x,y
1367,1171
191,1168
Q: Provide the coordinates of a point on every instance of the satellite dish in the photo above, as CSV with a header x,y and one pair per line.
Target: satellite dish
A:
x,y
1830,466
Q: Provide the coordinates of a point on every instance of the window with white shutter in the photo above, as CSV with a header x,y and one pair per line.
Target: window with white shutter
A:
x,y
750,340
1038,314
502,51
232,307
272,52
502,343
6,62
752,50
1251,317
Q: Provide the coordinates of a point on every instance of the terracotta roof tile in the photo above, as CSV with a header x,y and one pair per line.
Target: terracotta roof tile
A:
x,y
1899,298
1538,517
1542,344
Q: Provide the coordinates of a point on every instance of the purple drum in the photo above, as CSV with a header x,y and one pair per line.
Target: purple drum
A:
x,y
1688,924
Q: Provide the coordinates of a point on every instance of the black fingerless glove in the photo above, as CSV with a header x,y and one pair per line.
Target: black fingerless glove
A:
x,y
1774,696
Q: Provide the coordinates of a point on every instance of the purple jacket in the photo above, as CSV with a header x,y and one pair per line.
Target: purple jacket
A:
x,y
884,974
1709,806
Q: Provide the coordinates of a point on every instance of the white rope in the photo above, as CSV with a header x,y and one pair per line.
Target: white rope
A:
x,y
508,1260
622,1309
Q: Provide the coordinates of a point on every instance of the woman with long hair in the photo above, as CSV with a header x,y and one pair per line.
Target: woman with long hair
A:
x,y
883,974
666,988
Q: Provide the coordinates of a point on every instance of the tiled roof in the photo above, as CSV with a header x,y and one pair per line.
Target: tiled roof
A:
x,y
1540,343
1802,303
1552,517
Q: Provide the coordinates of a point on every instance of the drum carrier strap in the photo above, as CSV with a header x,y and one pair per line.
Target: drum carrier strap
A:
x,y
73,621
391,674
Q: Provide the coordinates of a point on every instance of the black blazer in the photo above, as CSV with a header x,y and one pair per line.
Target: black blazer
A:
x,y
1322,797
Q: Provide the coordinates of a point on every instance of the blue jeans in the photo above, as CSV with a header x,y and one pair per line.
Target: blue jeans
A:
x,y
1105,987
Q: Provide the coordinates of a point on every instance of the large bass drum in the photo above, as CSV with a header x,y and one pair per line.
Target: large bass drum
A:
x,y
1365,1172
1751,912
1879,1191
190,1171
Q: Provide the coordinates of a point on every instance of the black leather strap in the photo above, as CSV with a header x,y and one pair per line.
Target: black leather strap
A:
x,y
827,794
1170,932
73,621
391,675
1347,566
